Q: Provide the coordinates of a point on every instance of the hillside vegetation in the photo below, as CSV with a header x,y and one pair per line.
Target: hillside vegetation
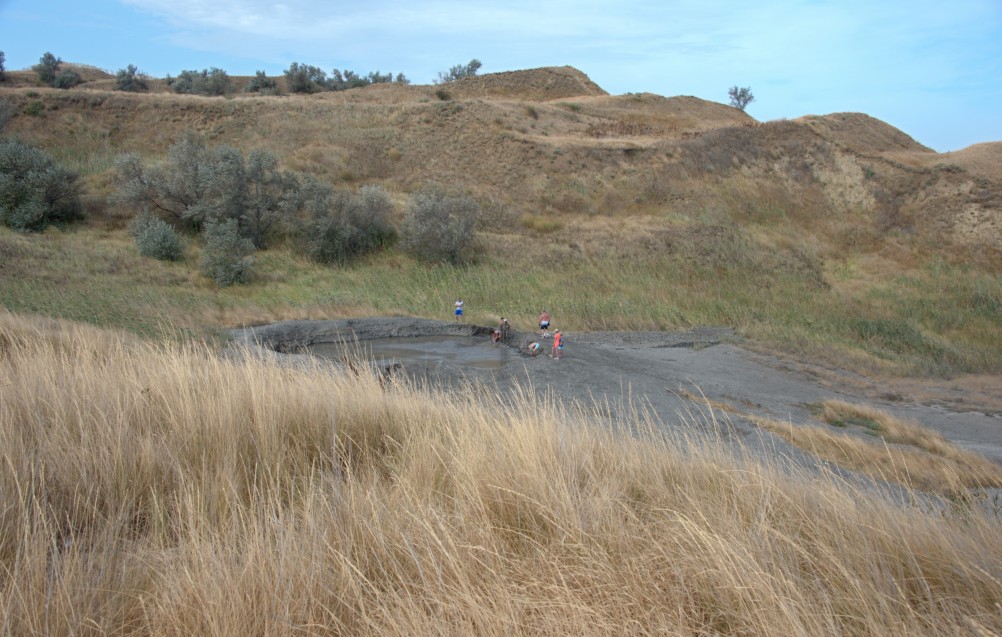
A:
x,y
835,236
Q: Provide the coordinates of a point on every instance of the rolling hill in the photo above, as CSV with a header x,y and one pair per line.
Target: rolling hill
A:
x,y
549,142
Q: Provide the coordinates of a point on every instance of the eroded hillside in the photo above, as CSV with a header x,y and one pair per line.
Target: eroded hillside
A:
x,y
549,143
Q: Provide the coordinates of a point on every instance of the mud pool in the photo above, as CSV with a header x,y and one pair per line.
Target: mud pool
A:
x,y
461,351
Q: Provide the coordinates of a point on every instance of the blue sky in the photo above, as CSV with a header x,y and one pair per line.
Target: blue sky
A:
x,y
931,68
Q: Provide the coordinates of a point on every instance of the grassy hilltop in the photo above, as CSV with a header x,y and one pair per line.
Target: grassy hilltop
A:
x,y
150,485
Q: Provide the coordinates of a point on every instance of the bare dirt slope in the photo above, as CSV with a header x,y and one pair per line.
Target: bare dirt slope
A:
x,y
661,371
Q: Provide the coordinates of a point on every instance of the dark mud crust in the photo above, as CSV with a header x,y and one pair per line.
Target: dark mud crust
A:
x,y
685,380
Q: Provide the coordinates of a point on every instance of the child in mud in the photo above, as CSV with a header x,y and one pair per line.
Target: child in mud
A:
x,y
558,345
504,328
533,348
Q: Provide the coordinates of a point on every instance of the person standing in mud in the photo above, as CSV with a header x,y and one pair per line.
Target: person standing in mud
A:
x,y
459,309
544,324
558,345
504,328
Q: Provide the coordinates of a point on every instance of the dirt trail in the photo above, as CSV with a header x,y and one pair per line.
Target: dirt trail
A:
x,y
665,371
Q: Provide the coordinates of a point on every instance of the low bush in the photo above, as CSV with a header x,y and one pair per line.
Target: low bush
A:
x,y
439,226
350,226
459,72
227,257
205,82
66,79
131,80
34,191
156,238
262,84
34,108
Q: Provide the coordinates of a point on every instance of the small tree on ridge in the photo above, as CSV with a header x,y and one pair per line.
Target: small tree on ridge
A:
x,y
740,97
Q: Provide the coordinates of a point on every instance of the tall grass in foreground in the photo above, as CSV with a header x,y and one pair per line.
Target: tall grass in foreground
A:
x,y
168,490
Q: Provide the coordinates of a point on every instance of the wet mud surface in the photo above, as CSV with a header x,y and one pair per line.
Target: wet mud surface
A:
x,y
682,378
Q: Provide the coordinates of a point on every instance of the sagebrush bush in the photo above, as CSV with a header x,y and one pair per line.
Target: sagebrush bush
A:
x,y
34,191
304,78
205,82
347,226
176,189
227,257
130,79
156,238
47,68
262,84
67,79
459,72
438,226
265,198
199,184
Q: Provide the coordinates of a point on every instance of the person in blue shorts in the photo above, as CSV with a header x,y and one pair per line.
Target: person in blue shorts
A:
x,y
544,324
459,309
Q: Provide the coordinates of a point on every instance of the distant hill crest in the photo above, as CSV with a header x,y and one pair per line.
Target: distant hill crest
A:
x,y
542,84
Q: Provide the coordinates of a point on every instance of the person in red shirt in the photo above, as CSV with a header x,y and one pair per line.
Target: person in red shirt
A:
x,y
558,344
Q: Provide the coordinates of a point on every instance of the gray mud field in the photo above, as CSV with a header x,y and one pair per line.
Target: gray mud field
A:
x,y
682,378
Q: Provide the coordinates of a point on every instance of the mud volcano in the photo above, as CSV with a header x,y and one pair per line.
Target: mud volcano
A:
x,y
657,369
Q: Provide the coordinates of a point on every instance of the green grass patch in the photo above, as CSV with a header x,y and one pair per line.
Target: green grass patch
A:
x,y
895,327
537,223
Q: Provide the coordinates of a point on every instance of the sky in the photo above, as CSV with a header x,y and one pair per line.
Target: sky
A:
x,y
930,68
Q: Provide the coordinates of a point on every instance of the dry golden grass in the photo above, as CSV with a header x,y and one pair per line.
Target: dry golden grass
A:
x,y
901,451
166,490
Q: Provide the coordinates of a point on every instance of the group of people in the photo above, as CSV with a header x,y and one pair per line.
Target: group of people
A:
x,y
544,333
557,349
504,328
502,331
